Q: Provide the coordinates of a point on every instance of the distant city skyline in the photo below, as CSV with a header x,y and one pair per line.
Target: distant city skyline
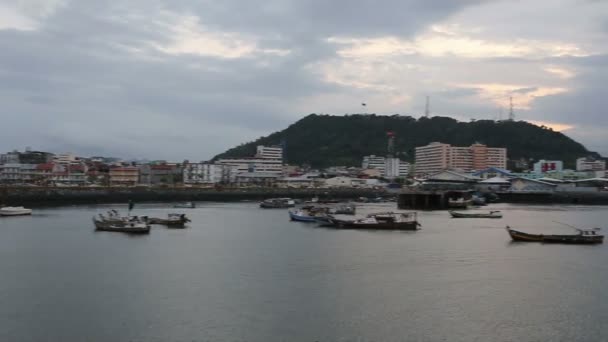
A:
x,y
163,79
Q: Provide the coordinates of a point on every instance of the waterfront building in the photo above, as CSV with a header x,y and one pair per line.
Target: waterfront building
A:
x,y
437,157
493,172
268,160
544,166
63,174
388,167
242,165
530,185
374,162
269,152
124,175
65,158
208,173
262,179
27,157
590,164
344,182
16,173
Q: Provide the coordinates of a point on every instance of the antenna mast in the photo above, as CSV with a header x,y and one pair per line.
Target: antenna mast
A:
x,y
427,108
511,113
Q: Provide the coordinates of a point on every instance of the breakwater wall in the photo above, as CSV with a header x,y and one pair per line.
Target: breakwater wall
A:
x,y
559,197
437,200
50,196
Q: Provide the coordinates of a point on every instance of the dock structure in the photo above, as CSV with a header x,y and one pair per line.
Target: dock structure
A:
x,y
430,199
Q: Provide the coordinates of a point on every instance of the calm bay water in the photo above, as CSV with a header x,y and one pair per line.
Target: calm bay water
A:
x,y
240,273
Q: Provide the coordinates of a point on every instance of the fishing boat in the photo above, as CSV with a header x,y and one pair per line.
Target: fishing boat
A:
x,y
173,220
128,225
459,203
491,214
187,205
301,216
274,203
15,211
380,221
584,236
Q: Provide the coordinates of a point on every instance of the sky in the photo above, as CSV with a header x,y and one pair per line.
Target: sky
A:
x,y
187,79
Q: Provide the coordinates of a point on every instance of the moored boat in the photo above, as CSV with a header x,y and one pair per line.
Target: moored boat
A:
x,y
491,214
173,220
274,203
128,225
15,211
584,236
301,216
380,221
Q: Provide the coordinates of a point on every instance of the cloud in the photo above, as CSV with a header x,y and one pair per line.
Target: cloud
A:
x,y
188,79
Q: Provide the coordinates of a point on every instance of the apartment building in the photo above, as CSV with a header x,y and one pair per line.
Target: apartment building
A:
x,y
590,164
437,157
124,175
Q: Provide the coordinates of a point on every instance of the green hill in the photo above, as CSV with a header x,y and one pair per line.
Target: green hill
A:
x,y
325,140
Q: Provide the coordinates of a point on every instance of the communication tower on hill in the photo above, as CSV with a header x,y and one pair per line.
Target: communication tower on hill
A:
x,y
427,108
511,112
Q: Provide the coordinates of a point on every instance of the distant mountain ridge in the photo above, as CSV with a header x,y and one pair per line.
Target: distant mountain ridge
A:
x,y
326,140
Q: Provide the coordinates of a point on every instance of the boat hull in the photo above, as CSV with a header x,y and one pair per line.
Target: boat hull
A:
x,y
413,225
301,218
561,239
16,213
468,215
122,227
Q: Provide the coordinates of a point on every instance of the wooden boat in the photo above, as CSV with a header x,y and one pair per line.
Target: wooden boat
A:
x,y
380,221
491,214
187,205
584,236
132,226
275,203
459,203
15,211
172,220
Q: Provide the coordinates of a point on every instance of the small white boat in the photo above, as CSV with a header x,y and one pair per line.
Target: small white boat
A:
x,y
15,211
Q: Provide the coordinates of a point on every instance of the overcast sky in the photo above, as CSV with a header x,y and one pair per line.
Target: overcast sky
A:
x,y
186,79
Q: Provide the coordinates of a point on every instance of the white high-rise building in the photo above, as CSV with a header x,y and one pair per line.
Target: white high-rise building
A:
x,y
269,152
388,167
242,165
207,173
374,162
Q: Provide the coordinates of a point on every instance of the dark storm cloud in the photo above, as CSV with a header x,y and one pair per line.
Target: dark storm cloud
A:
x,y
320,18
88,79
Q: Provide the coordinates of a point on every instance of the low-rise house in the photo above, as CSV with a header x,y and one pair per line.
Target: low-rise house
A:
x,y
262,179
66,174
344,182
519,184
493,172
493,184
124,175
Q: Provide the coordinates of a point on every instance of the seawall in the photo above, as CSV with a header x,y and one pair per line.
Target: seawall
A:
x,y
50,196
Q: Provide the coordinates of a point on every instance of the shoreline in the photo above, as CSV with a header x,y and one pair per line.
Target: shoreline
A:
x,y
52,196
